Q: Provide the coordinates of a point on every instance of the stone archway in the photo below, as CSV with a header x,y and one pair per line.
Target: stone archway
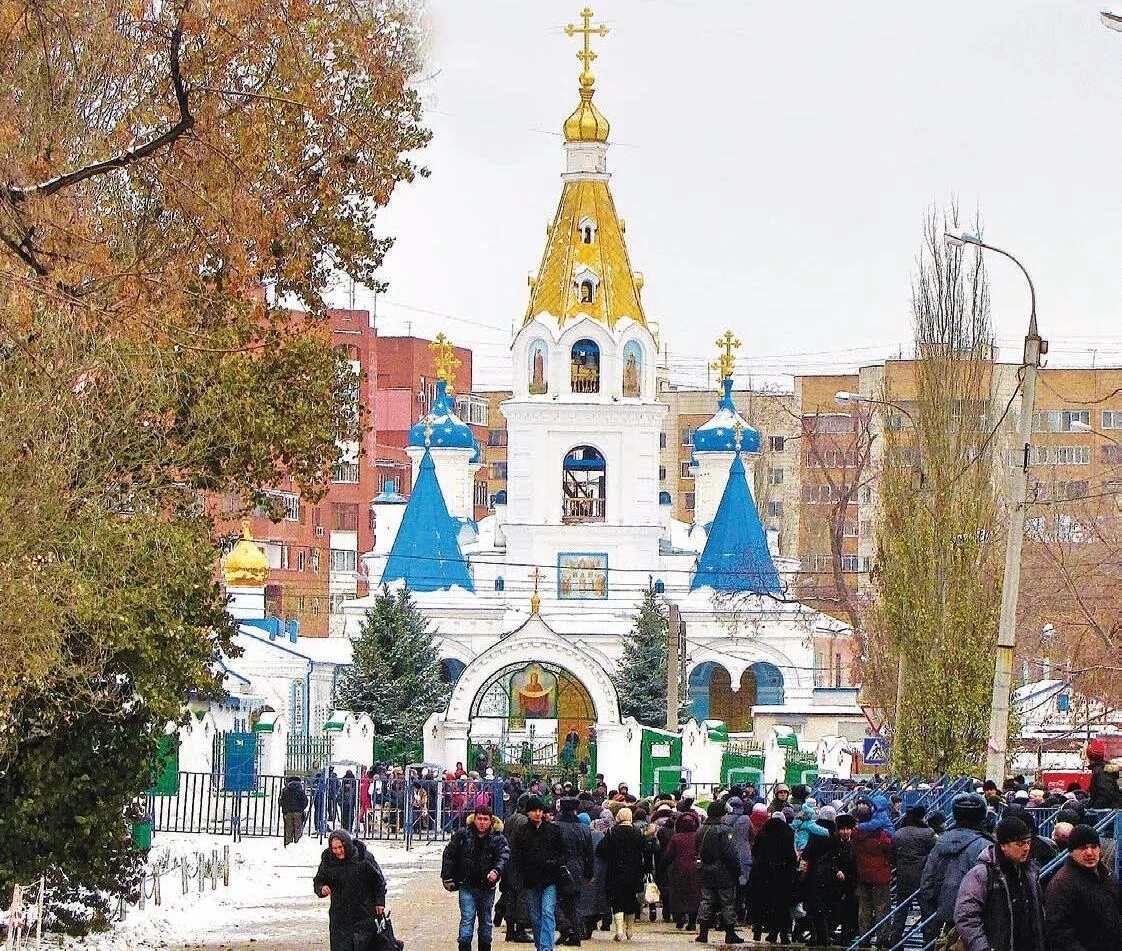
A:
x,y
712,695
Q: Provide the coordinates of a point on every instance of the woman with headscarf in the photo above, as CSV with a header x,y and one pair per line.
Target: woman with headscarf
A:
x,y
352,879
773,879
625,850
678,863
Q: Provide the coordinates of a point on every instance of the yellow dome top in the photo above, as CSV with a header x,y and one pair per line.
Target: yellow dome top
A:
x,y
587,123
246,566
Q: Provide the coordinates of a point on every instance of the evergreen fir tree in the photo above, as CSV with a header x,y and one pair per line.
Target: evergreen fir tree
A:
x,y
395,674
641,678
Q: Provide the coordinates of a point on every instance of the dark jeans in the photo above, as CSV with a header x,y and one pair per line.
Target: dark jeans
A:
x,y
718,906
476,904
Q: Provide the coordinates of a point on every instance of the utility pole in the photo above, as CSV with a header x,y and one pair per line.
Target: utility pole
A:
x,y
673,663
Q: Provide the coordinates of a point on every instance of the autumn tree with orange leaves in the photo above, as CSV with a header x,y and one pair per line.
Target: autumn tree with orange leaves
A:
x,y
167,172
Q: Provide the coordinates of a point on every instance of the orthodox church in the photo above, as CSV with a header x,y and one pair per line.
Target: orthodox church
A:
x,y
533,603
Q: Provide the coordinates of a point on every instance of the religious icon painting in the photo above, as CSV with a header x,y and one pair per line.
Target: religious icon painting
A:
x,y
633,368
538,366
533,693
582,575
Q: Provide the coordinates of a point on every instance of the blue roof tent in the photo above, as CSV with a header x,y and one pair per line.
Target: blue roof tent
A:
x,y
719,434
448,430
426,552
736,558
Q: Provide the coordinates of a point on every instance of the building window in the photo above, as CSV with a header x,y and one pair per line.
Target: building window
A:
x,y
866,495
498,471
335,600
685,471
1112,419
690,501
287,503
662,473
587,231
1112,454
389,486
315,561
851,563
776,443
583,485
344,516
344,472
1056,456
343,559
661,441
474,410
774,508
315,607
849,528
866,528
496,437
1059,420
775,477
585,367
301,559
479,494
687,435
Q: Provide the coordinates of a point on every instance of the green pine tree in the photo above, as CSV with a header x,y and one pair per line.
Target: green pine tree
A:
x,y
395,674
641,678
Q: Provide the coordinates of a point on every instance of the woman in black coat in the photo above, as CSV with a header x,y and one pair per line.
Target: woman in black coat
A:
x,y
351,878
821,887
771,885
628,859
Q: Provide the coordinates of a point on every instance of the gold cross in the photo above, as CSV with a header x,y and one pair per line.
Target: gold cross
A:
x,y
738,433
586,56
535,601
444,355
428,431
726,362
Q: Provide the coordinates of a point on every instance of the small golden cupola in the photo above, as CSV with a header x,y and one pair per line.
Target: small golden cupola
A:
x,y
585,270
246,566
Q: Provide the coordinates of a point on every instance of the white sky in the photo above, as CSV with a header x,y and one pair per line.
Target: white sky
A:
x,y
773,161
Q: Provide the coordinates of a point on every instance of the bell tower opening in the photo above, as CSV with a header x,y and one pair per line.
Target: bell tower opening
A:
x,y
583,486
585,366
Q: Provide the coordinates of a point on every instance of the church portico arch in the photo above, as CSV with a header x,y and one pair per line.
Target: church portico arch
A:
x,y
720,693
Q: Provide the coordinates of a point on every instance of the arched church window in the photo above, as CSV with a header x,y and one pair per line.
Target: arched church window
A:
x,y
585,367
587,292
583,485
587,230
538,368
632,369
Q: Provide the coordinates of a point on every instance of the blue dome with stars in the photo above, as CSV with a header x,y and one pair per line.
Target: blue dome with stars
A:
x,y
719,434
448,430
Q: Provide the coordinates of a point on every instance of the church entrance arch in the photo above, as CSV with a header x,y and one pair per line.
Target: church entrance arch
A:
x,y
533,713
713,697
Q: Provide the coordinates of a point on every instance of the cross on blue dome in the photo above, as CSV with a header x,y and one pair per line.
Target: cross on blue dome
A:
x,y
719,434
448,430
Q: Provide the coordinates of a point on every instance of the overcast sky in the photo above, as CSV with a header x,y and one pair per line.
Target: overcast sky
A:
x,y
773,161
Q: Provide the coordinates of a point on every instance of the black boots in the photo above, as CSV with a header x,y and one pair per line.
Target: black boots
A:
x,y
731,937
464,946
702,934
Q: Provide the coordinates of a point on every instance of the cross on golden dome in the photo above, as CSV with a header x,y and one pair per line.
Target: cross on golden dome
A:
x,y
586,55
444,355
726,362
535,601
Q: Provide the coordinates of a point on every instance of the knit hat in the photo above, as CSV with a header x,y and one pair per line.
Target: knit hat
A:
x,y
736,804
534,802
1012,829
827,814
968,807
1096,751
584,819
846,821
569,804
914,815
716,809
759,808
1082,836
624,816
789,814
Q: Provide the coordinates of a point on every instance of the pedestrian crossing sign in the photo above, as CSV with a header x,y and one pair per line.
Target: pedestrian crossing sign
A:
x,y
876,751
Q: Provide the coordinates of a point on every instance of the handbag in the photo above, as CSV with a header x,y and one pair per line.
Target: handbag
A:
x,y
566,884
376,934
651,893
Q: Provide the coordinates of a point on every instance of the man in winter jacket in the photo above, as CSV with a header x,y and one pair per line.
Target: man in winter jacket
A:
x,y
720,872
872,847
293,802
1083,905
540,851
474,860
911,845
578,860
351,878
954,855
1103,790
999,905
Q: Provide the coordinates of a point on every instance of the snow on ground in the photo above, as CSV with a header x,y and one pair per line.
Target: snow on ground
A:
x,y
269,896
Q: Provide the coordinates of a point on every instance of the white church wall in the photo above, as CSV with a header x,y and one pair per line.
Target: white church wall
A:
x,y
273,744
196,739
701,754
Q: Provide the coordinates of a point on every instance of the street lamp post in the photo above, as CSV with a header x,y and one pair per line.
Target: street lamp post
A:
x,y
1035,348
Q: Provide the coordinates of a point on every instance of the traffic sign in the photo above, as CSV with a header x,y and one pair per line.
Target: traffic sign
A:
x,y
876,751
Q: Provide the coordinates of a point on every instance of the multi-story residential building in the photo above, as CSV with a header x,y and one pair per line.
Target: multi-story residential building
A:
x,y
494,445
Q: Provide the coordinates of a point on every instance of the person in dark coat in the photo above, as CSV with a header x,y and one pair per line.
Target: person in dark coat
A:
x,y
348,800
334,788
472,864
846,909
873,849
593,905
1082,905
999,906
911,845
821,861
954,855
679,869
771,886
293,803
628,859
1102,792
720,872
578,860
512,904
352,879
540,851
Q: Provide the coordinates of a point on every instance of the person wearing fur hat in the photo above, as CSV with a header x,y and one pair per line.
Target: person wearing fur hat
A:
x,y
1103,790
999,906
625,852
1083,907
720,871
349,875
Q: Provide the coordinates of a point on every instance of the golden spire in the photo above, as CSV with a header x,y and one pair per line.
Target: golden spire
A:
x,y
535,601
726,362
246,566
587,123
444,355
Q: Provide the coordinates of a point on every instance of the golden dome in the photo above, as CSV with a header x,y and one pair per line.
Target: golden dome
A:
x,y
587,123
246,566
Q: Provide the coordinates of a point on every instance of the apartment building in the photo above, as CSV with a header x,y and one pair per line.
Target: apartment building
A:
x,y
494,444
